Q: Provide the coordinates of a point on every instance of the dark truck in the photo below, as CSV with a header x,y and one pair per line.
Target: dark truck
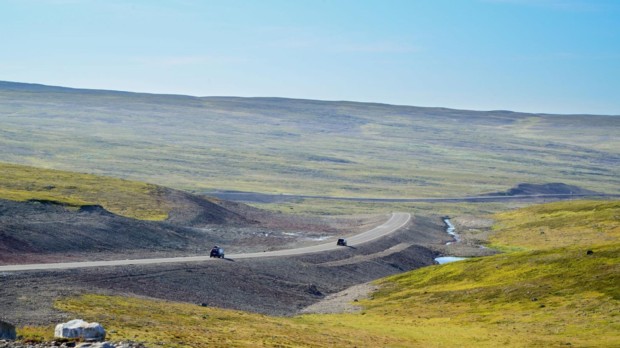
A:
x,y
217,252
341,242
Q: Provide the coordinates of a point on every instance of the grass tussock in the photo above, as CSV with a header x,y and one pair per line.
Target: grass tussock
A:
x,y
127,198
549,297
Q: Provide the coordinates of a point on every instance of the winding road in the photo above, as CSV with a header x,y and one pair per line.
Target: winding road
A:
x,y
394,223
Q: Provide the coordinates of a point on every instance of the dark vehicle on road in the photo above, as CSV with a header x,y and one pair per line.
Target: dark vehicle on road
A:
x,y
342,242
217,252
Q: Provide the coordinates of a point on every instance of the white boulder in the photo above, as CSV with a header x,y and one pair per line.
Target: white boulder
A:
x,y
78,328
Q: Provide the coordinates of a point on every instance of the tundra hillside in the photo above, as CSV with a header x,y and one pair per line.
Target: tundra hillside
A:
x,y
546,295
307,147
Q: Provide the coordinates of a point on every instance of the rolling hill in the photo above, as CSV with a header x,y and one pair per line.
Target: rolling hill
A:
x,y
276,145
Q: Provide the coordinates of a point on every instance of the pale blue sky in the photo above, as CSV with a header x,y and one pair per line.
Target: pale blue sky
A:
x,y
556,56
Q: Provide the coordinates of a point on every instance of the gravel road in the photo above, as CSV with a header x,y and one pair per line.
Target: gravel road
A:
x,y
396,221
268,285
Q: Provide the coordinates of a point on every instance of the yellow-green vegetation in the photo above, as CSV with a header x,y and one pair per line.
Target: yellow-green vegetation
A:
x,y
549,297
127,198
37,333
559,224
167,324
542,298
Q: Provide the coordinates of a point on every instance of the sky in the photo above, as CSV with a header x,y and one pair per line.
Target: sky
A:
x,y
551,56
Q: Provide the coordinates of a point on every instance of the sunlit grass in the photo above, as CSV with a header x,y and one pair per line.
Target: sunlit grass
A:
x,y
167,324
559,224
127,198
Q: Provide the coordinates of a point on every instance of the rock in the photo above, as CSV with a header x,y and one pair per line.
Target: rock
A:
x,y
95,345
313,290
7,331
78,328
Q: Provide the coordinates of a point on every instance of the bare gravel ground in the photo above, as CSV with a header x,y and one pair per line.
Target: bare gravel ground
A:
x,y
343,301
275,286
33,232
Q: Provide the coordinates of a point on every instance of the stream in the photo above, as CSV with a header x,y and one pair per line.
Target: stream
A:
x,y
451,230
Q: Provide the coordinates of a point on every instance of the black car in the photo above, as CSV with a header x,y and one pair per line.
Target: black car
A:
x,y
217,252
342,242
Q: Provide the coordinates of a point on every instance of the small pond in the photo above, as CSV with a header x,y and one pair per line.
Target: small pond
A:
x,y
448,259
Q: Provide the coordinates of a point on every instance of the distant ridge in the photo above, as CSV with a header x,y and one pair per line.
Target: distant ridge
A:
x,y
556,188
36,87
21,86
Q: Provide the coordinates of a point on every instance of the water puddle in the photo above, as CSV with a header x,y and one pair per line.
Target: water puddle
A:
x,y
448,259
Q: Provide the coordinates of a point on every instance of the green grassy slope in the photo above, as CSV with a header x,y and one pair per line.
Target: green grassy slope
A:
x,y
303,146
127,198
559,224
548,297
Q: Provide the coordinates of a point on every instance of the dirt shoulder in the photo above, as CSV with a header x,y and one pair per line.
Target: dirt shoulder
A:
x,y
342,302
